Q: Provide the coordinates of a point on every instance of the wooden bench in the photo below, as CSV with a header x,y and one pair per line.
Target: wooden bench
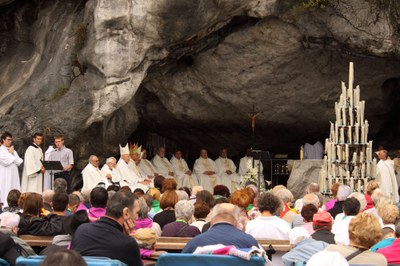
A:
x,y
178,243
37,241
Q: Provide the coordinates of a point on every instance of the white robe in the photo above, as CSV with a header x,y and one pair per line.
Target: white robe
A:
x,y
92,176
9,177
230,181
243,165
105,170
31,176
163,166
208,182
147,167
128,177
397,168
180,168
387,179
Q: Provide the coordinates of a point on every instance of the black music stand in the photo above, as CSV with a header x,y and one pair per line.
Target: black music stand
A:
x,y
52,166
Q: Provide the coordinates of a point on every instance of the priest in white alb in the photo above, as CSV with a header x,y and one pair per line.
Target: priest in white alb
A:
x,y
32,175
9,162
185,177
205,170
108,170
163,166
226,171
92,176
386,177
146,166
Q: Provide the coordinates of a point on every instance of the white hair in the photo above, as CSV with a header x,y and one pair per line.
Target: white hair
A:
x,y
343,192
184,209
361,198
376,195
182,195
225,208
111,160
47,195
9,220
196,189
284,194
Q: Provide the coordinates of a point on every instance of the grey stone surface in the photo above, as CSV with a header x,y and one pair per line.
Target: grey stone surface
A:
x,y
302,173
191,70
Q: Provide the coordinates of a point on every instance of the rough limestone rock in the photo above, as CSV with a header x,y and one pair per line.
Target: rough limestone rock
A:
x,y
191,70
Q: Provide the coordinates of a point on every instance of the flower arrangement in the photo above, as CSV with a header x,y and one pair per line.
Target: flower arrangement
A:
x,y
251,176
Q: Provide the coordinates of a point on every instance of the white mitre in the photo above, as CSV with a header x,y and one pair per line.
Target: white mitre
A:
x,y
124,150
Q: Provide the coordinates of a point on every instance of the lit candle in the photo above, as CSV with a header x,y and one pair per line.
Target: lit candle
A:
x,y
370,150
354,157
336,132
337,111
357,95
340,171
351,114
359,185
329,181
349,135
347,153
365,184
351,76
373,168
334,170
362,111
343,96
344,116
363,170
326,146
362,134
361,156
325,165
333,152
355,171
357,133
366,131
368,169
367,154
348,175
342,135
332,134
352,183
359,113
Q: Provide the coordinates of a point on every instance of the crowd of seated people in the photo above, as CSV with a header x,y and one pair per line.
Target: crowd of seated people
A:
x,y
122,224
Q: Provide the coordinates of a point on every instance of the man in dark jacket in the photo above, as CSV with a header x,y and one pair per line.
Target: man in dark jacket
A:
x,y
109,236
49,225
322,224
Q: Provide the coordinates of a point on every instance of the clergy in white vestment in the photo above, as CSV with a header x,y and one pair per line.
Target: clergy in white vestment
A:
x,y
128,177
185,177
136,153
32,178
9,162
386,177
205,170
146,166
108,170
92,176
163,166
244,162
226,171
397,166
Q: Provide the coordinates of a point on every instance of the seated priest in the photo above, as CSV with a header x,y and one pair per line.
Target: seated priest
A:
x,y
129,177
91,174
248,161
226,170
206,170
108,170
185,177
146,166
136,154
163,166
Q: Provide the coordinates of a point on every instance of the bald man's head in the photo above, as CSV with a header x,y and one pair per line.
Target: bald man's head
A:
x,y
225,213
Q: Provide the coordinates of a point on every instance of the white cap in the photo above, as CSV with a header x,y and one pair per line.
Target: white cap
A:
x,y
391,226
124,150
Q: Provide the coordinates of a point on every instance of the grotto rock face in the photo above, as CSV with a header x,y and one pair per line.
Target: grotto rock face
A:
x,y
191,70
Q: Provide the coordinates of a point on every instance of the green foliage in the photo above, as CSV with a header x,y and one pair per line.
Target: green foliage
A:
x,y
61,91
